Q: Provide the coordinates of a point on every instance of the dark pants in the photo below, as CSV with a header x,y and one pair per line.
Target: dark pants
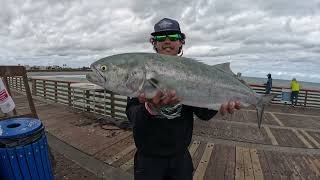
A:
x,y
294,95
268,91
178,167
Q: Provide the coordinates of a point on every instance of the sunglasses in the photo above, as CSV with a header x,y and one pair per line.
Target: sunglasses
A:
x,y
171,37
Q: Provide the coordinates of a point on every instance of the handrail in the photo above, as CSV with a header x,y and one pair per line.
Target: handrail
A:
x,y
283,87
112,104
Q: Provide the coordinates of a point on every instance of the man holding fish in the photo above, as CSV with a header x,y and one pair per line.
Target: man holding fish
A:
x,y
162,128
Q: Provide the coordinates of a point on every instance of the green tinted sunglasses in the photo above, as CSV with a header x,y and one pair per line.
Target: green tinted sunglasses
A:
x,y
171,37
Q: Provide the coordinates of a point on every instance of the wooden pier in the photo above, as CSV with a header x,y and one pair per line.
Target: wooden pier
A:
x,y
226,147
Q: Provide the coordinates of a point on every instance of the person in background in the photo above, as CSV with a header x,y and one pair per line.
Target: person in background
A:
x,y
295,88
162,139
268,84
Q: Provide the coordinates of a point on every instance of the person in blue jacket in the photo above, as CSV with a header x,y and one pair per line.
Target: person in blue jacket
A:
x,y
268,84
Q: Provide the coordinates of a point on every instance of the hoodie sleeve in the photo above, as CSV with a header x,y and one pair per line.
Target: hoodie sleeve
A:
x,y
135,110
204,113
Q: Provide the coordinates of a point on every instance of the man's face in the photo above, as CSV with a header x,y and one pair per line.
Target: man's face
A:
x,y
168,46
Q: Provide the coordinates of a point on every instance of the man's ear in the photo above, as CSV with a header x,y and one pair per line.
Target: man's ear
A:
x,y
182,41
152,41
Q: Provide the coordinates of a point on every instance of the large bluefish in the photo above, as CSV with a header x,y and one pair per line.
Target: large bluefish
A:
x,y
198,84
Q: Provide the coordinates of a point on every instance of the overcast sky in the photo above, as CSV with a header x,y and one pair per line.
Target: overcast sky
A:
x,y
257,36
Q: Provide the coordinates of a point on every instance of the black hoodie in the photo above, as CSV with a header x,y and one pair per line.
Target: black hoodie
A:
x,y
156,136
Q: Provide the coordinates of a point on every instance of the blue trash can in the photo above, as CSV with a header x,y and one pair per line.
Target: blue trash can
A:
x,y
24,150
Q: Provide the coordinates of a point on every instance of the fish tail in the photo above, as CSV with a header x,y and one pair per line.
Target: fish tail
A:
x,y
262,102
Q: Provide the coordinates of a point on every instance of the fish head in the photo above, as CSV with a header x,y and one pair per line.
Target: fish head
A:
x,y
118,76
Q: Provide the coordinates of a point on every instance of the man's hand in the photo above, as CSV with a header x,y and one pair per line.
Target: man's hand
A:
x,y
229,107
161,99
170,98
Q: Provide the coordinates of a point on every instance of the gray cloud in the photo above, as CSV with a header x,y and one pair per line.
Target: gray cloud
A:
x,y
281,36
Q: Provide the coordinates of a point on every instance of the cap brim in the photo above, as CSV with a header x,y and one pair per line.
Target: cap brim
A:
x,y
165,32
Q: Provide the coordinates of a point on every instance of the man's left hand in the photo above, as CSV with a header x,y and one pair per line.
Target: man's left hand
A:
x,y
229,107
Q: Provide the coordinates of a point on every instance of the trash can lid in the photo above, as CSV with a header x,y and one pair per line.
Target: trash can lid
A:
x,y
19,127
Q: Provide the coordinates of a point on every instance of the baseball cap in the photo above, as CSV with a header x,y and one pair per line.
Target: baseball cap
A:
x,y
167,26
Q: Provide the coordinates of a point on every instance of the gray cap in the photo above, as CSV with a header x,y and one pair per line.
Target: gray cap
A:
x,y
165,26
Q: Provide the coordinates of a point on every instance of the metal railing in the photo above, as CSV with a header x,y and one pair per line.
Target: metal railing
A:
x,y
109,103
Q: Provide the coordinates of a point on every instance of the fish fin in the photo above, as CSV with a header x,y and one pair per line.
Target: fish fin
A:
x,y
264,100
155,84
224,66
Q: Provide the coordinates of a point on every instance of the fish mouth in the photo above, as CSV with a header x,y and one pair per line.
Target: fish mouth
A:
x,y
96,77
98,72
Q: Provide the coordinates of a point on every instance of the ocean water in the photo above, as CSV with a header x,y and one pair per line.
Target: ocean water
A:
x,y
250,80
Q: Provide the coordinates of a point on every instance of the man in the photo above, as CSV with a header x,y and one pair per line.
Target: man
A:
x,y
268,84
295,88
162,139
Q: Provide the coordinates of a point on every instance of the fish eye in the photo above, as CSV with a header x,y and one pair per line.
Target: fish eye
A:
x,y
103,68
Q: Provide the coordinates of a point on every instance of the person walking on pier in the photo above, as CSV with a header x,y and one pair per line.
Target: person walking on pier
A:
x,y
162,137
295,88
268,84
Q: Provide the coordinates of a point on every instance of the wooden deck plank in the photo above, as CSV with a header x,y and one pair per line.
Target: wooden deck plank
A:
x,y
239,170
124,159
248,169
308,145
282,168
198,154
286,137
122,153
276,119
217,163
271,136
229,173
317,163
298,120
258,175
201,169
109,151
193,147
126,166
308,172
296,164
312,166
316,143
291,170
273,165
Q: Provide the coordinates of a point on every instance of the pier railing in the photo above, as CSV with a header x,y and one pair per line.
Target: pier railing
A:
x,y
109,103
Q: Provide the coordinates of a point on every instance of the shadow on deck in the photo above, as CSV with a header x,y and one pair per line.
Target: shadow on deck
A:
x,y
231,147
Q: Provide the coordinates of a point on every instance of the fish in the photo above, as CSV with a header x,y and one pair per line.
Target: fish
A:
x,y
197,83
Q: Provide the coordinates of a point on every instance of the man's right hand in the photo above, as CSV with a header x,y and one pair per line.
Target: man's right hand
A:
x,y
161,99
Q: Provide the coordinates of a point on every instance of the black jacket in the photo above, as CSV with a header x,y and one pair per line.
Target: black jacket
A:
x,y
163,137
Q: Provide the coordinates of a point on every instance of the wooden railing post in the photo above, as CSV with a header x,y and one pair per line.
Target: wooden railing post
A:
x,y
20,79
16,82
55,91
112,104
69,94
44,88
88,100
305,98
34,87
